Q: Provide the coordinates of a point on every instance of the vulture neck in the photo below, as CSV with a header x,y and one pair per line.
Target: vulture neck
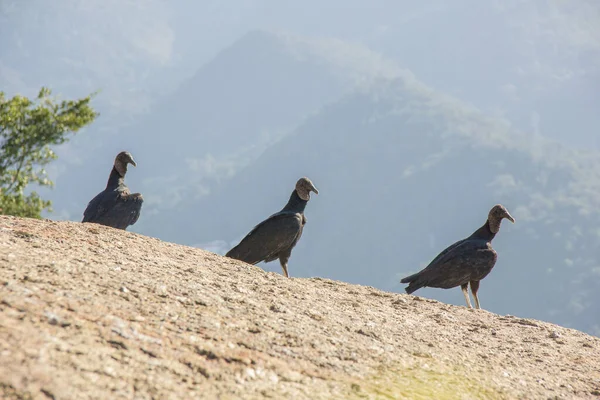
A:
x,y
485,232
295,204
115,179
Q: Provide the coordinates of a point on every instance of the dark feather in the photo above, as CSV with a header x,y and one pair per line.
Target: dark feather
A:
x,y
467,260
464,263
275,237
115,206
269,239
470,259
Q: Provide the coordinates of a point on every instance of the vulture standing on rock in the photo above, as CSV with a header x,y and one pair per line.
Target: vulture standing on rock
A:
x,y
275,237
466,261
115,206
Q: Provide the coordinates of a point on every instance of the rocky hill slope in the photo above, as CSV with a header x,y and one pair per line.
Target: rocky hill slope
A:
x,y
91,312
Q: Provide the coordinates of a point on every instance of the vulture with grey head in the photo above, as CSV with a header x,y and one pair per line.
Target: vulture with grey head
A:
x,y
115,206
275,237
465,262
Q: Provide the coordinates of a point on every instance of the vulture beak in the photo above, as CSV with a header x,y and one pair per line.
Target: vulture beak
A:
x,y
314,189
510,218
132,162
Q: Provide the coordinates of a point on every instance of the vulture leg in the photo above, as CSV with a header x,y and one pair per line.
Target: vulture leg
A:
x,y
465,290
284,261
474,289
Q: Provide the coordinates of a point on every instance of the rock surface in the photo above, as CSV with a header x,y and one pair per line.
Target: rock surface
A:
x,y
92,312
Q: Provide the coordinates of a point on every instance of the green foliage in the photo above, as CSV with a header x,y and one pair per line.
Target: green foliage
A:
x,y
28,129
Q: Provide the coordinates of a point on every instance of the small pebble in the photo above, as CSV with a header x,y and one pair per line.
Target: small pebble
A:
x,y
54,319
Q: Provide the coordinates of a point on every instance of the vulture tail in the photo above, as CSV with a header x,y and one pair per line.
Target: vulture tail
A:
x,y
413,282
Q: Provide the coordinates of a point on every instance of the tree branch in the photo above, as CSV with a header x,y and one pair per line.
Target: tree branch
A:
x,y
18,172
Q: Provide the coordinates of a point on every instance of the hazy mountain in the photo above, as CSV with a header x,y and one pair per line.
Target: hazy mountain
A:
x,y
77,47
536,63
403,172
247,97
250,96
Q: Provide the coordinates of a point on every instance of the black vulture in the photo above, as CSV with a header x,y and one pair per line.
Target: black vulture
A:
x,y
275,237
115,206
466,261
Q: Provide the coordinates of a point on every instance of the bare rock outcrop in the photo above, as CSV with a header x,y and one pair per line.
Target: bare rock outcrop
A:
x,y
91,312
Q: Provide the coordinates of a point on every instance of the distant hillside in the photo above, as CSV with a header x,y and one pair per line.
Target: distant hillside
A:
x,y
403,172
92,312
249,96
535,63
80,46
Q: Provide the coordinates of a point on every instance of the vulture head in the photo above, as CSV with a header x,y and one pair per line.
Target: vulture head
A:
x,y
121,161
303,187
497,213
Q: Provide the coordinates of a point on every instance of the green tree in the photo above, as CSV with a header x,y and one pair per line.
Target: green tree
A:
x,y
28,129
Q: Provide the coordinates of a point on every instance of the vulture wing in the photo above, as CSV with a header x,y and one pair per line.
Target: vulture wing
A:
x,y
269,238
115,208
467,260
